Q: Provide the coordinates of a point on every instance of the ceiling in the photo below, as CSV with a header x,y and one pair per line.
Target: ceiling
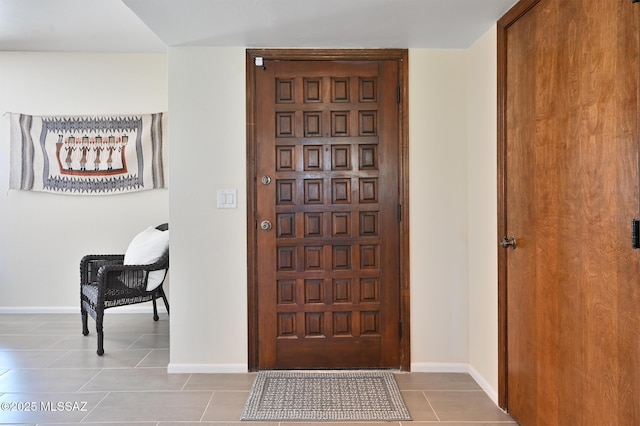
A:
x,y
152,25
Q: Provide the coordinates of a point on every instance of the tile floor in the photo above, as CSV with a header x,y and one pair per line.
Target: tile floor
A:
x,y
51,375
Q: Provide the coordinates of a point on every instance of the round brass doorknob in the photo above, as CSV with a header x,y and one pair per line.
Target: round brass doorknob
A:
x,y
265,225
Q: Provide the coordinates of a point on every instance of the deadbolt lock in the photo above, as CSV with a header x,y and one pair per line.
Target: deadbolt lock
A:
x,y
265,225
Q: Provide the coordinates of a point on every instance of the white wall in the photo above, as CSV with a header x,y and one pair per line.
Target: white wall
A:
x,y
43,236
438,208
208,245
452,121
482,216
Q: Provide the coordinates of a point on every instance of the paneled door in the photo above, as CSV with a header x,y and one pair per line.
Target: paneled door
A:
x,y
327,214
570,280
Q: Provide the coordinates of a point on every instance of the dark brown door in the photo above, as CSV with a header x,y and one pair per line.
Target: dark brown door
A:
x,y
571,287
327,213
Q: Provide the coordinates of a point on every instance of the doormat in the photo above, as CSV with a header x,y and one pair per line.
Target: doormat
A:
x,y
325,396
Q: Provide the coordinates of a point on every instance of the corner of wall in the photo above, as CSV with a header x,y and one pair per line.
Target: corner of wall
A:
x,y
482,213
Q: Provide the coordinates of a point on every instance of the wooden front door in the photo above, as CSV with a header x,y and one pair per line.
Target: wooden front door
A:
x,y
327,214
570,289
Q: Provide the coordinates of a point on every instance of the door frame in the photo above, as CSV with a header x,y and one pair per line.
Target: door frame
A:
x,y
508,19
402,57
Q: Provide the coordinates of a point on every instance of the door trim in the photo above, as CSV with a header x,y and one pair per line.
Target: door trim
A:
x,y
509,18
402,57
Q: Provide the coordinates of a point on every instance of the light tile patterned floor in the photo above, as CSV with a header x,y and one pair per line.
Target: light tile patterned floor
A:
x,y
51,375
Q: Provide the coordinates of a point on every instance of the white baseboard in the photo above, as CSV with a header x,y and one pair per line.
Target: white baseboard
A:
x,y
486,387
437,367
132,309
173,368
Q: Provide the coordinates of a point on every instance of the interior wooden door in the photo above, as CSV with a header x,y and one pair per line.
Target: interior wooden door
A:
x,y
570,288
327,214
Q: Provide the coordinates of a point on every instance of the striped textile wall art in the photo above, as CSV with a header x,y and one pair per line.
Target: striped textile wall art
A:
x,y
88,155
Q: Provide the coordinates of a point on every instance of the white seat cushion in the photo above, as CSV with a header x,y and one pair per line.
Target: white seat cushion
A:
x,y
146,248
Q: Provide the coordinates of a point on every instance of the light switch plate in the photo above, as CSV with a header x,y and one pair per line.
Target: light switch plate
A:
x,y
227,198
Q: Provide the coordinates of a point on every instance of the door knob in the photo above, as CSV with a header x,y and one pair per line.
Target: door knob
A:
x,y
266,180
265,225
507,242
